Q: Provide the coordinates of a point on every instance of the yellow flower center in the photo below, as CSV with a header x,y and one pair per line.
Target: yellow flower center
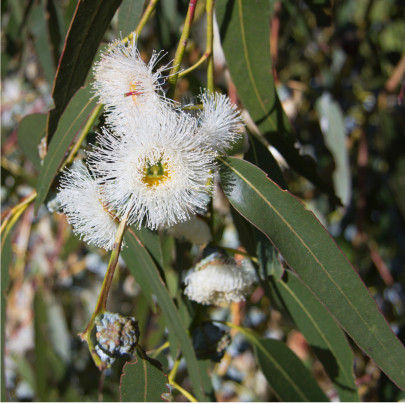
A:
x,y
155,174
133,92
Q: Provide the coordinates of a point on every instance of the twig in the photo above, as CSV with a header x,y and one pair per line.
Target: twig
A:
x,y
16,209
181,47
105,288
210,47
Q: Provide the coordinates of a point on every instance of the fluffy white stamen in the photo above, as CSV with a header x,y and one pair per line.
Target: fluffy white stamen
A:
x,y
156,167
124,81
220,121
80,199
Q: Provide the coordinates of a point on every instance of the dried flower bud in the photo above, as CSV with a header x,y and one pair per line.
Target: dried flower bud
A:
x,y
218,279
116,336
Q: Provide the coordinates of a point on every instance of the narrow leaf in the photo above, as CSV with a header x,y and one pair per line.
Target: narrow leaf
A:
x,y
6,260
331,121
89,22
313,254
147,275
69,126
31,130
245,33
289,379
41,42
129,14
321,332
143,381
260,156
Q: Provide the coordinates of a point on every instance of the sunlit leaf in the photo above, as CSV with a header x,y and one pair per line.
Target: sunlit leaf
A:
x,y
242,24
331,121
321,332
313,254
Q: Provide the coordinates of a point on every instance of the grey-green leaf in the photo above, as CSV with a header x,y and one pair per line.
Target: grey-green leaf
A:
x,y
331,121
30,131
147,275
289,379
245,33
321,332
313,254
143,381
74,117
129,14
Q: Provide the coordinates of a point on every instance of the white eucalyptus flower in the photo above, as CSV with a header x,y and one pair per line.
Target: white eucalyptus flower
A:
x,y
217,279
124,81
194,230
80,200
220,121
158,169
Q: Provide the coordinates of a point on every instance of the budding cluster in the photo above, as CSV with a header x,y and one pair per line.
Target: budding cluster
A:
x,y
116,336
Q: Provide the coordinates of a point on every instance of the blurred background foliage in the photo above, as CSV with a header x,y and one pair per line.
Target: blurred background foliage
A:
x,y
339,69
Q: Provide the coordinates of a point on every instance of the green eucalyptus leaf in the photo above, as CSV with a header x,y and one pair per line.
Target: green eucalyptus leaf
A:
x,y
312,253
260,156
331,121
245,35
6,260
31,130
143,381
73,119
147,275
321,332
289,379
89,22
41,41
129,14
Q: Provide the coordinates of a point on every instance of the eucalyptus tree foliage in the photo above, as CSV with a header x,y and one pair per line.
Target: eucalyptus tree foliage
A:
x,y
192,215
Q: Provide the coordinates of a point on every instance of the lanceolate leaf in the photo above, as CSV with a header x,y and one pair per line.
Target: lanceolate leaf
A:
x,y
312,253
6,259
322,333
244,28
289,379
143,381
41,41
331,120
69,126
147,274
129,15
261,157
30,131
89,22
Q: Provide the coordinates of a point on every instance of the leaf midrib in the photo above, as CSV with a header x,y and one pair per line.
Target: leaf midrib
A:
x,y
249,67
312,254
337,358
